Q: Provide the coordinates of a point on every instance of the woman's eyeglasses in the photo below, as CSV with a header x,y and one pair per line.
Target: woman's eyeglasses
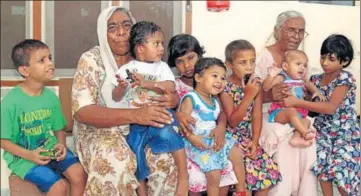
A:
x,y
293,31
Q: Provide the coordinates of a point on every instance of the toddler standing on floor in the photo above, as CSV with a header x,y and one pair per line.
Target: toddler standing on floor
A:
x,y
209,80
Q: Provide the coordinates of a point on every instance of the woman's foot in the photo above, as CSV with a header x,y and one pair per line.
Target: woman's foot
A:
x,y
182,187
299,142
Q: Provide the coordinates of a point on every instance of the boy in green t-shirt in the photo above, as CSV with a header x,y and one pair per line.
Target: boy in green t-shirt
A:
x,y
32,126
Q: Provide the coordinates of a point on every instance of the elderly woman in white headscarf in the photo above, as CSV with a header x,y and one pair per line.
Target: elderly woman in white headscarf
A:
x,y
294,163
100,129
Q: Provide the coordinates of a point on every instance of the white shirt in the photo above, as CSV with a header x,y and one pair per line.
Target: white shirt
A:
x,y
135,96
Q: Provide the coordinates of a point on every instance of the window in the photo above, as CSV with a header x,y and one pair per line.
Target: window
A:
x,y
74,30
166,14
330,2
69,28
13,29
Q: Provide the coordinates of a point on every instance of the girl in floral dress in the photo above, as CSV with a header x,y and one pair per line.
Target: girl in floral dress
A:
x,y
183,52
338,134
242,104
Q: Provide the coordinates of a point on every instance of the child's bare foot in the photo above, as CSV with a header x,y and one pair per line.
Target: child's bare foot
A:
x,y
299,142
182,187
309,135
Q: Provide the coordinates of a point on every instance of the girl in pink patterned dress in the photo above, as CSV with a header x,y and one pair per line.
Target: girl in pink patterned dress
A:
x,y
184,51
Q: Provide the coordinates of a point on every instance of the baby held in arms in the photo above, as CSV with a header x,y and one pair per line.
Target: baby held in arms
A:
x,y
292,72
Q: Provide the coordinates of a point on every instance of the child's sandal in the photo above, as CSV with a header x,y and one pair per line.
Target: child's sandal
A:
x,y
241,193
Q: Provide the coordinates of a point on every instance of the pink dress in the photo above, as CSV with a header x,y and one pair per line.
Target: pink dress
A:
x,y
197,179
294,163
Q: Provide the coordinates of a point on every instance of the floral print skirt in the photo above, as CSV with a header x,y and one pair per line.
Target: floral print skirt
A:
x,y
111,165
261,173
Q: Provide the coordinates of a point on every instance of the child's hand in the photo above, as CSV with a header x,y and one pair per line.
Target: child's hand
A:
x,y
138,79
121,82
273,71
60,151
185,122
252,87
37,158
196,141
252,153
219,138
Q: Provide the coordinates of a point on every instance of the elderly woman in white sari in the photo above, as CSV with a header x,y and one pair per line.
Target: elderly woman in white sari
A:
x,y
294,163
99,128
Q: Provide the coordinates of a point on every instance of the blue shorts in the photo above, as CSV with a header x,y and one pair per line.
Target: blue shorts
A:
x,y
45,176
160,140
272,116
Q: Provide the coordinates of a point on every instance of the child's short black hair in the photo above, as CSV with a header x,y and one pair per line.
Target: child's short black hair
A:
x,y
21,52
139,32
339,45
180,45
235,46
205,63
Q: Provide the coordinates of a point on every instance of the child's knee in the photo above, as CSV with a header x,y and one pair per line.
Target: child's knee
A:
x,y
214,177
60,186
291,111
76,175
236,155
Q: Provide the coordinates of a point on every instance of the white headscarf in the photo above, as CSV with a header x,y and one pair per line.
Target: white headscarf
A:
x,y
106,53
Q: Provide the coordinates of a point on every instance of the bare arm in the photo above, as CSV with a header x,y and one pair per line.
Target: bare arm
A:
x,y
257,118
329,107
117,93
222,119
15,149
168,99
311,88
157,86
277,93
60,135
30,155
102,117
234,115
186,107
270,82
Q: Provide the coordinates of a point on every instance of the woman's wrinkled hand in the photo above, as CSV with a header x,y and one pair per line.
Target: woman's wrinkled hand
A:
x,y
152,116
164,100
280,91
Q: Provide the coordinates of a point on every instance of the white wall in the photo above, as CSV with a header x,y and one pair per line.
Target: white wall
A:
x,y
254,21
